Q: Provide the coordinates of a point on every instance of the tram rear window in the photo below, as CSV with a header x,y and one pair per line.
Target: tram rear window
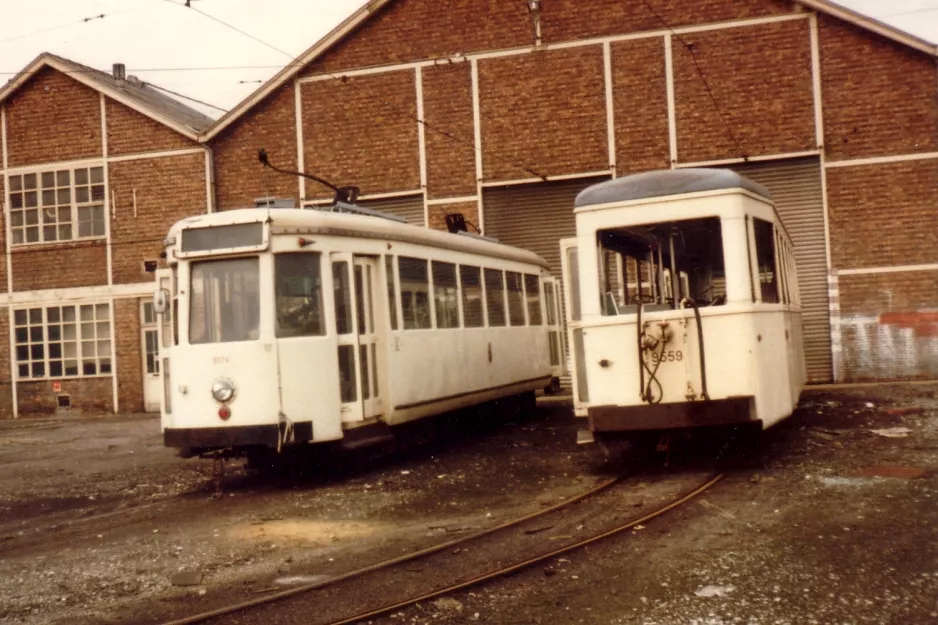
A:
x,y
661,264
299,295
224,301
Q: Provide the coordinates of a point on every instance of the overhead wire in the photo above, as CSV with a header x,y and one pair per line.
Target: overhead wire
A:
x,y
84,20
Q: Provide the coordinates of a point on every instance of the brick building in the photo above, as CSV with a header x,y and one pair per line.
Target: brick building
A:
x,y
504,110
95,168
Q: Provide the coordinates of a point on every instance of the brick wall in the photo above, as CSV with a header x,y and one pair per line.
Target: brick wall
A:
x,y
884,215
469,210
362,131
58,266
129,356
449,132
130,132
566,20
543,112
167,189
760,78
889,325
420,29
640,105
90,395
879,96
53,118
239,176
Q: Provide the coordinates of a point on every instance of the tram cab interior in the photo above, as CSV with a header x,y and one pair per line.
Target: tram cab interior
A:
x,y
684,308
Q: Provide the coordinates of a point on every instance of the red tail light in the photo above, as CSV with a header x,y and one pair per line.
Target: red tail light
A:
x,y
224,413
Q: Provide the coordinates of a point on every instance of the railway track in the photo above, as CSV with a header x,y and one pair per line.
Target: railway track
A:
x,y
460,563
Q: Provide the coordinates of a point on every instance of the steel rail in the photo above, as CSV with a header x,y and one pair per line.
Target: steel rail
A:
x,y
204,616
516,567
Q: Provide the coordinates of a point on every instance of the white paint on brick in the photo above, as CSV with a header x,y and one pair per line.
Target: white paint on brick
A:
x,y
749,159
882,160
610,106
477,137
588,174
300,147
889,269
672,107
453,200
422,143
157,154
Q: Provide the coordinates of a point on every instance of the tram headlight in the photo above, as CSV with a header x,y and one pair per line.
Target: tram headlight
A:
x,y
223,390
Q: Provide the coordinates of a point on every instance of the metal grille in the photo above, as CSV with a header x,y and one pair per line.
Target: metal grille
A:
x,y
796,188
409,207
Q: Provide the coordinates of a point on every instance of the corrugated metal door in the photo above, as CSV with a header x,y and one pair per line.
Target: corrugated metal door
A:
x,y
409,207
796,188
535,217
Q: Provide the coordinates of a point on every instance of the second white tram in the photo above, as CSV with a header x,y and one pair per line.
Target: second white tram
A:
x,y
289,327
683,305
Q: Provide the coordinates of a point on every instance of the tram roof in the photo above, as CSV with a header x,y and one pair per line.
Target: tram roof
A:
x,y
664,183
313,221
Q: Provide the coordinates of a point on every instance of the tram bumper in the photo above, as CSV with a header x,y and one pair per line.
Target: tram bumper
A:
x,y
208,438
729,411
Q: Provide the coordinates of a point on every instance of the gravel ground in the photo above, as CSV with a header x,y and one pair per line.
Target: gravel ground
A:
x,y
829,518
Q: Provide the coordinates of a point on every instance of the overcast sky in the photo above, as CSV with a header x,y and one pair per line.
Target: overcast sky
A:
x,y
207,60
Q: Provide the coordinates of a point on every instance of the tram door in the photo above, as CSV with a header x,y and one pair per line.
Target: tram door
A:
x,y
569,262
354,281
554,327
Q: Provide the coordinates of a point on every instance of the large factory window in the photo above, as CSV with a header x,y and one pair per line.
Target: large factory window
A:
x,y
299,295
62,205
63,341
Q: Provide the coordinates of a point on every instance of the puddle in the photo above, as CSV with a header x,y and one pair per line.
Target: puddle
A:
x,y
304,532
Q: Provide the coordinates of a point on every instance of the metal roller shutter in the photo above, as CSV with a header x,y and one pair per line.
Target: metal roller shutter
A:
x,y
796,187
535,217
409,207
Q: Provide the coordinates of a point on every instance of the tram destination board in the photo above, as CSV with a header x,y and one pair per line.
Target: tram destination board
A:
x,y
222,237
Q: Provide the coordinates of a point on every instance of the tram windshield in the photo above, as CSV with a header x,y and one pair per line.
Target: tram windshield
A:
x,y
299,295
660,265
224,301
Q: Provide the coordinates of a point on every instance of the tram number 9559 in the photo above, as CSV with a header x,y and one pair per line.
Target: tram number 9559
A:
x,y
667,356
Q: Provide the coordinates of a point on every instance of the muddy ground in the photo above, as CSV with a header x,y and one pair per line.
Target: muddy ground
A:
x,y
830,517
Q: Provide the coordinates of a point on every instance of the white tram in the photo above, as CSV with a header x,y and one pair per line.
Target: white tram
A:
x,y
288,327
683,306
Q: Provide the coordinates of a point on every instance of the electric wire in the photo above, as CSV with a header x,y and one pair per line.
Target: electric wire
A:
x,y
84,20
187,5
179,95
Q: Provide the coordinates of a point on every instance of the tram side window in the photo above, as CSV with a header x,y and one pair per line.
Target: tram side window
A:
x,y
445,294
415,293
392,290
342,296
532,294
224,301
515,298
765,260
495,297
661,265
299,295
471,280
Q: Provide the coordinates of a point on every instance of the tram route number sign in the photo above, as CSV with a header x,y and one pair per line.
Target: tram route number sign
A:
x,y
670,355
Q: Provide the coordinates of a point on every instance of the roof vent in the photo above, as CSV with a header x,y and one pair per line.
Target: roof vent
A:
x,y
120,72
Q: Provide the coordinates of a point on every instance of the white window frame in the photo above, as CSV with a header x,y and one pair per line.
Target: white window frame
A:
x,y
73,206
92,331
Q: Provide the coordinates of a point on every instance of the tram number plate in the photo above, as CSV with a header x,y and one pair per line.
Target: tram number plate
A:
x,y
667,356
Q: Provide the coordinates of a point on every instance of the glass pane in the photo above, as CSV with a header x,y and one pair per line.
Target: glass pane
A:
x,y
48,197
298,295
18,236
81,195
23,371
22,353
48,179
532,295
22,335
29,181
38,369
62,178
347,372
360,300
765,260
363,362
68,313
48,233
55,368
374,369
87,313
515,298
19,317
32,217
53,314
35,334
65,232
225,301
81,176
32,235
342,296
64,196
16,183
55,332
36,352
549,302
495,297
32,198
222,237
553,336
101,311
97,174
55,350
392,291
16,200
445,295
471,280
415,292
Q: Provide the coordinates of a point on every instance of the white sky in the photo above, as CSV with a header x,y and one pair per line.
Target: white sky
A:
x,y
148,35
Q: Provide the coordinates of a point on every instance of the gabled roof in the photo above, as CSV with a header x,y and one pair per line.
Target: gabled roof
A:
x,y
138,95
373,6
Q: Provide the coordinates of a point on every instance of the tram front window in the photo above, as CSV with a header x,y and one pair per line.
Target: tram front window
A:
x,y
299,295
660,265
224,301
